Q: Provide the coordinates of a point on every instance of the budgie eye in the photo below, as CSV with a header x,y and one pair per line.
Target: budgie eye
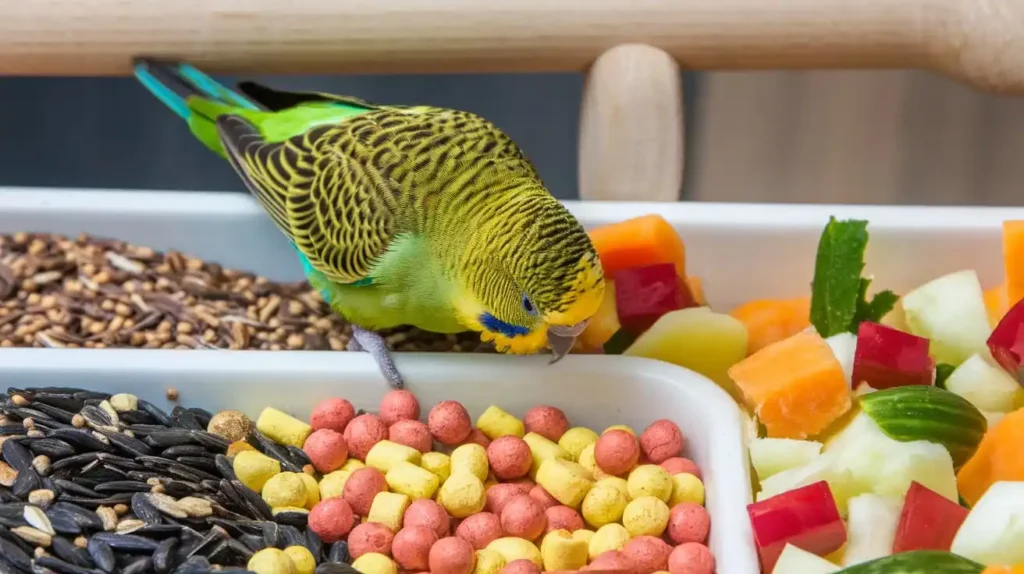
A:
x,y
528,306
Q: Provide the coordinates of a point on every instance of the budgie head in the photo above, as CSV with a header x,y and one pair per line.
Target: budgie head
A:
x,y
527,275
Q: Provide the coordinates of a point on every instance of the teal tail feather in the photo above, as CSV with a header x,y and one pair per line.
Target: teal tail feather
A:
x,y
192,95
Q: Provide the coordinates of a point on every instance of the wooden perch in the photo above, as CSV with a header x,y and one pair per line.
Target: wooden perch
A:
x,y
981,41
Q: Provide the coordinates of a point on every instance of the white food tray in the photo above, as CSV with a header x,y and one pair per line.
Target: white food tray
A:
x,y
741,251
594,391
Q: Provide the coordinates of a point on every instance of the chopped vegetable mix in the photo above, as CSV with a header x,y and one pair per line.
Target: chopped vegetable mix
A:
x,y
889,430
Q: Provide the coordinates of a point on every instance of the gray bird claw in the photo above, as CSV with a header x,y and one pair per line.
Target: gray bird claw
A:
x,y
373,343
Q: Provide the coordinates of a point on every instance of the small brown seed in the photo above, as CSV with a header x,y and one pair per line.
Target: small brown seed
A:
x,y
41,497
195,507
42,464
78,421
39,551
172,394
7,474
121,509
129,525
32,535
19,401
109,517
81,541
35,433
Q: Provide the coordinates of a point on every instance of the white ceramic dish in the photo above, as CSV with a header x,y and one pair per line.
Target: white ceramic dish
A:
x,y
740,251
594,391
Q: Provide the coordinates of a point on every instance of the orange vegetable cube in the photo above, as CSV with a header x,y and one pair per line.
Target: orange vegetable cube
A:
x,y
772,320
1013,260
697,289
603,324
996,304
638,242
795,386
998,458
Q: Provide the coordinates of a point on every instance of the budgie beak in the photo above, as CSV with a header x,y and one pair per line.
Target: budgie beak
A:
x,y
561,339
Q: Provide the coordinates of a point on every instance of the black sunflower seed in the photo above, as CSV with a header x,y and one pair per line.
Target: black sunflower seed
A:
x,y
159,530
58,565
8,568
84,395
80,516
129,543
202,415
292,518
225,467
136,417
80,438
170,437
208,542
314,544
194,565
51,447
138,566
74,461
146,429
64,401
144,510
211,441
237,548
183,450
13,429
130,445
253,542
26,413
119,498
56,413
292,536
27,481
68,552
17,455
253,500
186,419
298,455
63,523
70,487
16,554
271,534
274,450
339,552
122,486
164,556
200,463
96,416
102,555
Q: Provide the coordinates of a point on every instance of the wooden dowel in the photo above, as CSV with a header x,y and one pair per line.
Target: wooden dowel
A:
x,y
631,126
978,40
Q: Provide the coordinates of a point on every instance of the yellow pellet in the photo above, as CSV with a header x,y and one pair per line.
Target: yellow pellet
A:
x,y
686,488
541,448
471,458
312,490
626,428
375,563
386,454
495,422
388,508
576,439
271,561
302,558
512,549
619,483
254,469
609,537
333,483
462,495
565,480
352,465
285,489
583,534
415,482
649,480
282,427
438,463
603,505
560,551
646,515
488,562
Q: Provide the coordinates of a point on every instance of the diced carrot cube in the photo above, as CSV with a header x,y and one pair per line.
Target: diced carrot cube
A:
x,y
996,304
998,458
772,320
637,242
795,386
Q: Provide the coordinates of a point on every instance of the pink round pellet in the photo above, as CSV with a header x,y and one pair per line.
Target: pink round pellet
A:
x,y
691,558
326,449
477,436
523,517
509,457
521,566
361,487
688,522
426,512
549,422
362,433
334,414
480,529
680,465
397,406
562,517
331,519
661,441
451,555
541,495
411,547
413,434
648,554
370,537
449,423
616,452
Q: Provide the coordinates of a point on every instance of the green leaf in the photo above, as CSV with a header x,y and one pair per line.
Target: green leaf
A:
x,y
942,372
879,306
837,283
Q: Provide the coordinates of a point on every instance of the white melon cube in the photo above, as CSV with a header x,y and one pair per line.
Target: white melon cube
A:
x,y
994,530
984,384
951,312
871,528
844,345
794,560
773,455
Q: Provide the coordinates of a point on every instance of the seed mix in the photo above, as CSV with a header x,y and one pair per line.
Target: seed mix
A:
x,y
56,291
89,488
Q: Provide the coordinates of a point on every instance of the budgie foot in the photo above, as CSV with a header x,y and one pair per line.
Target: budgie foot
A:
x,y
373,343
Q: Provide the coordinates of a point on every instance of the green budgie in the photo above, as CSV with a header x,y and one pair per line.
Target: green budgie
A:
x,y
401,215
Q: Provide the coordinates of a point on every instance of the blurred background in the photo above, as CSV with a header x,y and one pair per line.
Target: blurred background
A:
x,y
819,137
